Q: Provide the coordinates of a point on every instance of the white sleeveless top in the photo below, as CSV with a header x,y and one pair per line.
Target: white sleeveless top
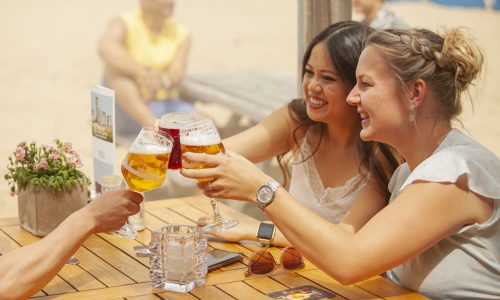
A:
x,y
465,264
331,203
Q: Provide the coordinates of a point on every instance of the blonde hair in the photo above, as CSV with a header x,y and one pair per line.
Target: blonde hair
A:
x,y
447,62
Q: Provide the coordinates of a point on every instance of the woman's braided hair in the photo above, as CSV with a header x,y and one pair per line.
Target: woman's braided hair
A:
x,y
448,62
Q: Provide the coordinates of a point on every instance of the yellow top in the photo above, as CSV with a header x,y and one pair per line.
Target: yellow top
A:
x,y
154,52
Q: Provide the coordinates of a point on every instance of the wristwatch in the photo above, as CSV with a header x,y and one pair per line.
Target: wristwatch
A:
x,y
265,193
265,232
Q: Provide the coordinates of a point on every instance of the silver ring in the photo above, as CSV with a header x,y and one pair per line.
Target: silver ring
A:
x,y
210,186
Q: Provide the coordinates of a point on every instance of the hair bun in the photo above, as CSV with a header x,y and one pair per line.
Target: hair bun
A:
x,y
461,55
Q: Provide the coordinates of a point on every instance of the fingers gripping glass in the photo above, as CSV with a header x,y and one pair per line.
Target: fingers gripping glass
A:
x,y
201,136
262,262
145,166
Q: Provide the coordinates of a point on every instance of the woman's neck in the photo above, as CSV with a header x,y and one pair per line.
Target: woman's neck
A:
x,y
342,135
422,142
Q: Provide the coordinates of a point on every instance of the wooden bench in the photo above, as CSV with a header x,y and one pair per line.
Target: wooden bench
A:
x,y
253,94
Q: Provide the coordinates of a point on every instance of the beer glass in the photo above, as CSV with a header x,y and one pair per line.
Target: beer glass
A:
x,y
171,123
145,166
201,136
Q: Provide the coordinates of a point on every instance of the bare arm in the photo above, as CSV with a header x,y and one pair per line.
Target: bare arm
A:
x,y
28,269
426,212
177,69
112,50
265,140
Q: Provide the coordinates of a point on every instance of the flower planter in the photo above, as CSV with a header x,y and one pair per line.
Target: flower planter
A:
x,y
42,211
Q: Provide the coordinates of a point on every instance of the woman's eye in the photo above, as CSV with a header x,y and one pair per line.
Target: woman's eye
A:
x,y
328,78
308,72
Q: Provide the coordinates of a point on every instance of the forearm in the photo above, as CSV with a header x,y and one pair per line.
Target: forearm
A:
x,y
29,269
313,235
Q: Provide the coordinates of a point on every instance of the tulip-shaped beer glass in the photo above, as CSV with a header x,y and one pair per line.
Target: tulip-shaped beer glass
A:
x,y
145,166
201,136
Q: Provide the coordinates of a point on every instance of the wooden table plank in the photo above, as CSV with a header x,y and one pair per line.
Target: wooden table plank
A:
x,y
9,222
7,244
385,288
121,261
100,269
144,297
240,290
110,293
126,246
176,296
347,291
210,293
293,280
266,285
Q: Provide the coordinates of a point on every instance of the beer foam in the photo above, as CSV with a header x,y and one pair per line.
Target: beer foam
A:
x,y
200,140
149,149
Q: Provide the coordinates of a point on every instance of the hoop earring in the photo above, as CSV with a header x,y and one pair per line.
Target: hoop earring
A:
x,y
412,114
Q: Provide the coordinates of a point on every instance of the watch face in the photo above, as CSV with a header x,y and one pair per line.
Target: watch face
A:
x,y
265,231
265,194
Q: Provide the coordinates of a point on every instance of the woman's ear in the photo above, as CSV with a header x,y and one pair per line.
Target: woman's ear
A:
x,y
417,91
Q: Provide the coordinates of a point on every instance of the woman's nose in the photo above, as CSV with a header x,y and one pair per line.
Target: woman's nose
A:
x,y
354,98
314,85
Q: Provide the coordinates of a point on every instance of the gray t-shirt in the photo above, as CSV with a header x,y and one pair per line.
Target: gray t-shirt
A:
x,y
464,264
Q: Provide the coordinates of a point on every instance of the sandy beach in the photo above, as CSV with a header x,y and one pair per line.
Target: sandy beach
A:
x,y
49,62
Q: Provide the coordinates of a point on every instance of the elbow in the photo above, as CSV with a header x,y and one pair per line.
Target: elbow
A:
x,y
348,272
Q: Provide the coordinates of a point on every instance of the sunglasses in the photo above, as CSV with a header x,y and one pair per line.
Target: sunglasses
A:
x,y
262,262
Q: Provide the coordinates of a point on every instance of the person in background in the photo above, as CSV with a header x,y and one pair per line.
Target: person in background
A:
x,y
145,54
439,234
26,270
331,167
377,15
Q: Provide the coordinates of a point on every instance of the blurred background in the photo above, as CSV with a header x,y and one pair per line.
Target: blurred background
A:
x,y
49,62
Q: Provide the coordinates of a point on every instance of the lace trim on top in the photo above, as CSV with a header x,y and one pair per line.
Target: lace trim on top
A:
x,y
330,194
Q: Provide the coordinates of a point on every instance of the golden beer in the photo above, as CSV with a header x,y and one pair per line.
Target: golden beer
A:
x,y
144,171
208,149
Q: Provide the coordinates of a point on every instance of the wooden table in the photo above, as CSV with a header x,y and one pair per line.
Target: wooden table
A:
x,y
109,268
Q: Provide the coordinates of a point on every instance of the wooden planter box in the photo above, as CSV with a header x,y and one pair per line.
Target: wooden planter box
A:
x,y
41,212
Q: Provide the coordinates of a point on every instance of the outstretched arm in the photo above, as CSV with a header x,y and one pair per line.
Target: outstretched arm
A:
x,y
28,269
425,211
272,136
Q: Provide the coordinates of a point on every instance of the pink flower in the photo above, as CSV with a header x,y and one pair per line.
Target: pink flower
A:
x,y
68,148
55,155
51,147
22,144
43,163
19,153
75,161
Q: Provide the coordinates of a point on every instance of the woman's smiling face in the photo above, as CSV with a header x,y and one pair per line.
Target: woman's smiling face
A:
x,y
324,89
379,98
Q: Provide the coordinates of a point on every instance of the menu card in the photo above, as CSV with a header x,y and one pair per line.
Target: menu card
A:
x,y
103,133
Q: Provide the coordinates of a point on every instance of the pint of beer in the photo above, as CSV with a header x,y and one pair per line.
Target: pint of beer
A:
x,y
171,124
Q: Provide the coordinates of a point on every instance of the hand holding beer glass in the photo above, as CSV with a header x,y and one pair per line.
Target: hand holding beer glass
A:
x,y
145,166
201,136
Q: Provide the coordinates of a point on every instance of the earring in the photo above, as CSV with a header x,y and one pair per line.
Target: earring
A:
x,y
412,113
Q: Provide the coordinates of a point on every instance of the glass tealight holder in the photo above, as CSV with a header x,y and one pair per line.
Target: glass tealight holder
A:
x,y
178,261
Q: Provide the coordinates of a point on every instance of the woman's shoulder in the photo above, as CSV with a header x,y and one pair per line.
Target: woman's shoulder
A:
x,y
460,155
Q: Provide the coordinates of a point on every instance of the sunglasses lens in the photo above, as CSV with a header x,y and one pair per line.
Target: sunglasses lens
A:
x,y
262,262
291,259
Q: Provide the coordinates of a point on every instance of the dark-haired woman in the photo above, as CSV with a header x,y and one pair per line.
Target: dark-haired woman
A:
x,y
330,166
